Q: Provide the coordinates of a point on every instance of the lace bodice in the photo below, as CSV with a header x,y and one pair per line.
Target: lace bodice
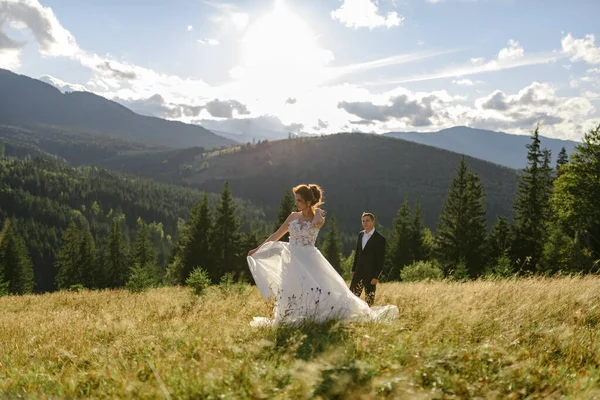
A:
x,y
303,233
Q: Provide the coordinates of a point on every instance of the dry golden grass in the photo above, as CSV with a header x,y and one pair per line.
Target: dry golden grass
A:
x,y
534,338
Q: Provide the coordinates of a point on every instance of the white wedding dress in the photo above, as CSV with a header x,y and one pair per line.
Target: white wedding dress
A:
x,y
305,285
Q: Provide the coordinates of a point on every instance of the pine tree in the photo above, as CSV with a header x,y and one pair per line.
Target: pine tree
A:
x,y
575,199
547,175
249,240
67,258
117,256
332,246
286,207
477,232
91,276
499,240
3,282
461,231
143,270
143,251
399,253
226,243
532,207
417,239
562,159
195,243
15,262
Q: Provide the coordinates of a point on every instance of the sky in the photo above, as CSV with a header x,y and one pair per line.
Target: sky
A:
x,y
321,66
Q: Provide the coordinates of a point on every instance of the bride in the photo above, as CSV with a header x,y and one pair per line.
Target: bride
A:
x,y
305,285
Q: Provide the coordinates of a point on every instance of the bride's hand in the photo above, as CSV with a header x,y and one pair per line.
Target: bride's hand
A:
x,y
319,220
252,252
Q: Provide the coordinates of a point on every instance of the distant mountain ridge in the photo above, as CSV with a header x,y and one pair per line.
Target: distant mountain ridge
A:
x,y
359,172
29,102
497,147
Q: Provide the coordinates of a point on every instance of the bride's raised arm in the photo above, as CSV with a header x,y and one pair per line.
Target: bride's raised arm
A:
x,y
278,234
319,219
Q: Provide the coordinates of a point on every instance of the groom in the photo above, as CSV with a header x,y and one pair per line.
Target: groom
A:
x,y
368,260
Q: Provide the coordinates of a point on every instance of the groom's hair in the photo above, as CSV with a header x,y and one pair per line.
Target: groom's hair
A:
x,y
368,214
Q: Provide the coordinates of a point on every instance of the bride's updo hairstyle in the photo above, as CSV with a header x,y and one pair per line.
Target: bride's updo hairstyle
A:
x,y
312,194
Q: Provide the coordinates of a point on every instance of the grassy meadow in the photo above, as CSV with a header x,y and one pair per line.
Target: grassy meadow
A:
x,y
525,338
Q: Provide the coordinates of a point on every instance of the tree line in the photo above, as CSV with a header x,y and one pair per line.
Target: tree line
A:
x,y
555,228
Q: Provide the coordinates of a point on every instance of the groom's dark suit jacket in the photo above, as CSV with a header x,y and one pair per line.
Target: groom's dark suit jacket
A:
x,y
368,262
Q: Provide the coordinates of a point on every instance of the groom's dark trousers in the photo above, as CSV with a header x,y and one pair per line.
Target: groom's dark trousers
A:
x,y
367,265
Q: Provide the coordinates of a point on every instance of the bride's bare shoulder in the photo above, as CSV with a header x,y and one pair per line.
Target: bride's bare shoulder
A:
x,y
293,215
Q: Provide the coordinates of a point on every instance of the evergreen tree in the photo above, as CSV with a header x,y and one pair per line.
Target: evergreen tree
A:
x,y
15,262
67,259
195,242
250,240
547,175
499,239
477,232
532,207
3,283
91,276
117,256
286,207
417,239
461,231
226,243
562,159
332,246
575,199
143,271
399,253
143,252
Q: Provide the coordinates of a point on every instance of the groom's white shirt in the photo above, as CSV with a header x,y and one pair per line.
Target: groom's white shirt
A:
x,y
366,237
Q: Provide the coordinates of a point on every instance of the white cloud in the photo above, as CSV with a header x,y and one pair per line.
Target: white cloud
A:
x,y
190,28
208,41
581,49
464,82
510,57
52,38
593,96
513,51
230,18
365,14
10,59
562,117
281,83
338,72
537,94
62,85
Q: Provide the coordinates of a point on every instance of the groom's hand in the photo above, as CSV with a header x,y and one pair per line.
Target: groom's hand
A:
x,y
374,281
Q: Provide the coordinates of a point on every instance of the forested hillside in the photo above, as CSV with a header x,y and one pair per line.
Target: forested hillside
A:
x,y
43,196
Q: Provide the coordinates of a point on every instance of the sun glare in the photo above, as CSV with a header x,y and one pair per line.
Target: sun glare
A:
x,y
281,54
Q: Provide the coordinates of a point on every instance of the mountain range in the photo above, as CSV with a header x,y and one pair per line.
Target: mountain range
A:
x,y
497,147
360,172
30,102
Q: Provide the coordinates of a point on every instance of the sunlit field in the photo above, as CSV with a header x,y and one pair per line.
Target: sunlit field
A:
x,y
531,338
